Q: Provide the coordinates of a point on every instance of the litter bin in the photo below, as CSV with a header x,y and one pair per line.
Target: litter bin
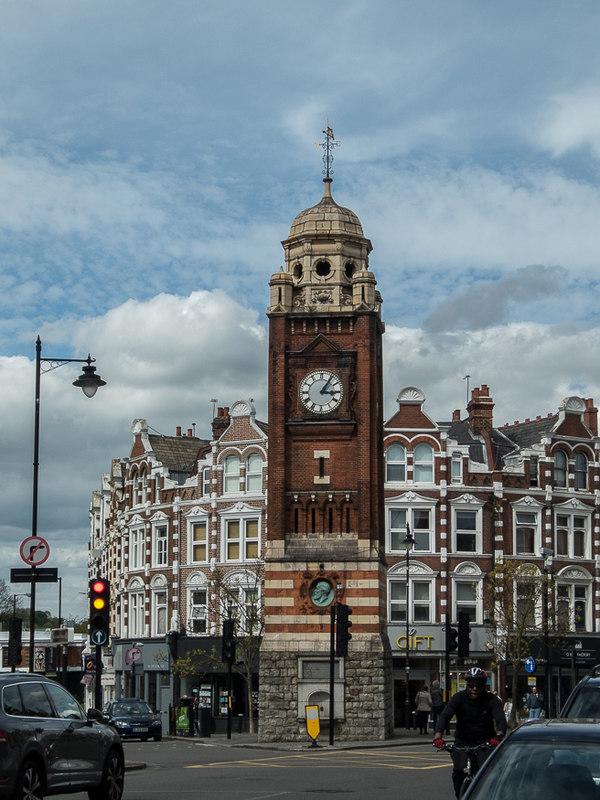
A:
x,y
204,722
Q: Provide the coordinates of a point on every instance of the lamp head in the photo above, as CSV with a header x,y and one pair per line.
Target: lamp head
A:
x,y
88,381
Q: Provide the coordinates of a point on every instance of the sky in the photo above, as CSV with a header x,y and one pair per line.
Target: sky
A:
x,y
153,156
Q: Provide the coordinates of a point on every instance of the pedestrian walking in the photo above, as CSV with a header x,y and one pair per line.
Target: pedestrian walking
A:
x,y
423,708
437,702
534,703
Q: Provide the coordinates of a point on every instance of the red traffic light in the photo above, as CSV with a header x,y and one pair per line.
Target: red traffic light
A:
x,y
98,586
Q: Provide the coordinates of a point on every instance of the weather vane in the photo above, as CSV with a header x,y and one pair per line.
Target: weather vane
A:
x,y
328,145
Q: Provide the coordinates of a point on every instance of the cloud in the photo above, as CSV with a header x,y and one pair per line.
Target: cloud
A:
x,y
572,121
484,305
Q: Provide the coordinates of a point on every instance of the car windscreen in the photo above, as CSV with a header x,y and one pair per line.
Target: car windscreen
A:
x,y
132,709
586,703
553,770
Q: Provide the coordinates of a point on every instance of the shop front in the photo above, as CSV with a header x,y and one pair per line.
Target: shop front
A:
x,y
421,658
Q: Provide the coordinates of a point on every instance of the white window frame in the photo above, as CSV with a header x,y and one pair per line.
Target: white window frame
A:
x,y
137,548
456,467
562,484
575,581
135,609
573,509
160,543
243,515
412,505
467,503
469,574
423,463
159,602
254,473
231,479
242,591
580,476
420,575
398,463
206,481
197,517
527,506
197,584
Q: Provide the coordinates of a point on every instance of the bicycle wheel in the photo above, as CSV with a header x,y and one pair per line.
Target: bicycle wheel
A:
x,y
465,785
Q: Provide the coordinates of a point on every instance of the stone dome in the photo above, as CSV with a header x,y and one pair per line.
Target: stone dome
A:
x,y
326,217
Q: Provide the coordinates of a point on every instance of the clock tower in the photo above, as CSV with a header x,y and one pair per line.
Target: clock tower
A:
x,y
325,514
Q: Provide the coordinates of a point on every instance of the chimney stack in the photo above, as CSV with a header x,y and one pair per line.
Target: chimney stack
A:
x,y
481,411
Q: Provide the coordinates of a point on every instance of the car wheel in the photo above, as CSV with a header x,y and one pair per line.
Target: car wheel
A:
x,y
158,738
30,782
113,778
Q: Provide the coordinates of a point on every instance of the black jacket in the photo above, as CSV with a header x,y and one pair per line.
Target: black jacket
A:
x,y
476,720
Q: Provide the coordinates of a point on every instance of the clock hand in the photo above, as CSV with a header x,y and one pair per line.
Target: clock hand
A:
x,y
324,388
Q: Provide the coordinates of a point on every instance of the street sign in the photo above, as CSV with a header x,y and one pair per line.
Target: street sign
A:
x,y
98,637
34,550
530,664
133,655
44,575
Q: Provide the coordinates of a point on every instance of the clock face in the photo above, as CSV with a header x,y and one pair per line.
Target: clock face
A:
x,y
321,391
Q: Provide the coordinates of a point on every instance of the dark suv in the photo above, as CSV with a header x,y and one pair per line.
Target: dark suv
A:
x,y
49,746
584,700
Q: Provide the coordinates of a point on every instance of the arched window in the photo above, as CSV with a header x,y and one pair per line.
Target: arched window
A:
x,y
423,463
581,470
231,475
254,473
560,468
395,463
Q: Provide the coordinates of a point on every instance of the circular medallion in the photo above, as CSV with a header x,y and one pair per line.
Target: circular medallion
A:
x,y
321,592
321,391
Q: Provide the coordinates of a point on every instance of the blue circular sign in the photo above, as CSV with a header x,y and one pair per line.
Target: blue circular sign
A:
x,y
98,637
530,664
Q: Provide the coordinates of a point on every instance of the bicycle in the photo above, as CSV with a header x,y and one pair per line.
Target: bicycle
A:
x,y
472,764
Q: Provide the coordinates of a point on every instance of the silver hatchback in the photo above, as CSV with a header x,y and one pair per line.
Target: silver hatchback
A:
x,y
49,746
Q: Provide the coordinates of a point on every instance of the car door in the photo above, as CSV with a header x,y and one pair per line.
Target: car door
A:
x,y
81,743
47,730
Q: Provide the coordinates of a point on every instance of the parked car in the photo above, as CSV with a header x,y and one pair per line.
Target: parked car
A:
x,y
584,700
48,745
133,718
543,760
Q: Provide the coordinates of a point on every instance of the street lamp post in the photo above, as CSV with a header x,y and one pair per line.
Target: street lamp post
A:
x,y
547,556
89,382
408,544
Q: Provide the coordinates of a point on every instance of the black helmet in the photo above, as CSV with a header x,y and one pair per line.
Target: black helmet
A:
x,y
476,674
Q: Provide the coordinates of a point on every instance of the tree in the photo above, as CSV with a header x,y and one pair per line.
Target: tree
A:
x,y
237,596
517,594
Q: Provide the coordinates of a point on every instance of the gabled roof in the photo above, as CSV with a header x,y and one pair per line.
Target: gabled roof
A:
x,y
177,453
524,434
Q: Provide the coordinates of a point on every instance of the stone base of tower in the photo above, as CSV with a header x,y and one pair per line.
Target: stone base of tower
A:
x,y
295,677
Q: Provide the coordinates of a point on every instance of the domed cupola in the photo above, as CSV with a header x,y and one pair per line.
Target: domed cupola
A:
x,y
326,263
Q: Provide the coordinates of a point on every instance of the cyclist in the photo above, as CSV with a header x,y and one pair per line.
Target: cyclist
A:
x,y
480,718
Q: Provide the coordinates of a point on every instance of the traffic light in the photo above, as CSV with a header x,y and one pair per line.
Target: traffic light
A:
x,y
99,610
342,630
228,653
451,639
464,631
15,627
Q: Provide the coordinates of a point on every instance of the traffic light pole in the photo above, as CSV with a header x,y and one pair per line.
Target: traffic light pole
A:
x,y
98,678
332,612
447,675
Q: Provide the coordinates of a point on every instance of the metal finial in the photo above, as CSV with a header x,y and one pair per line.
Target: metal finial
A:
x,y
328,145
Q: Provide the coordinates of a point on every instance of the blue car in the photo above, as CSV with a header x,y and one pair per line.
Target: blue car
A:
x,y
133,718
